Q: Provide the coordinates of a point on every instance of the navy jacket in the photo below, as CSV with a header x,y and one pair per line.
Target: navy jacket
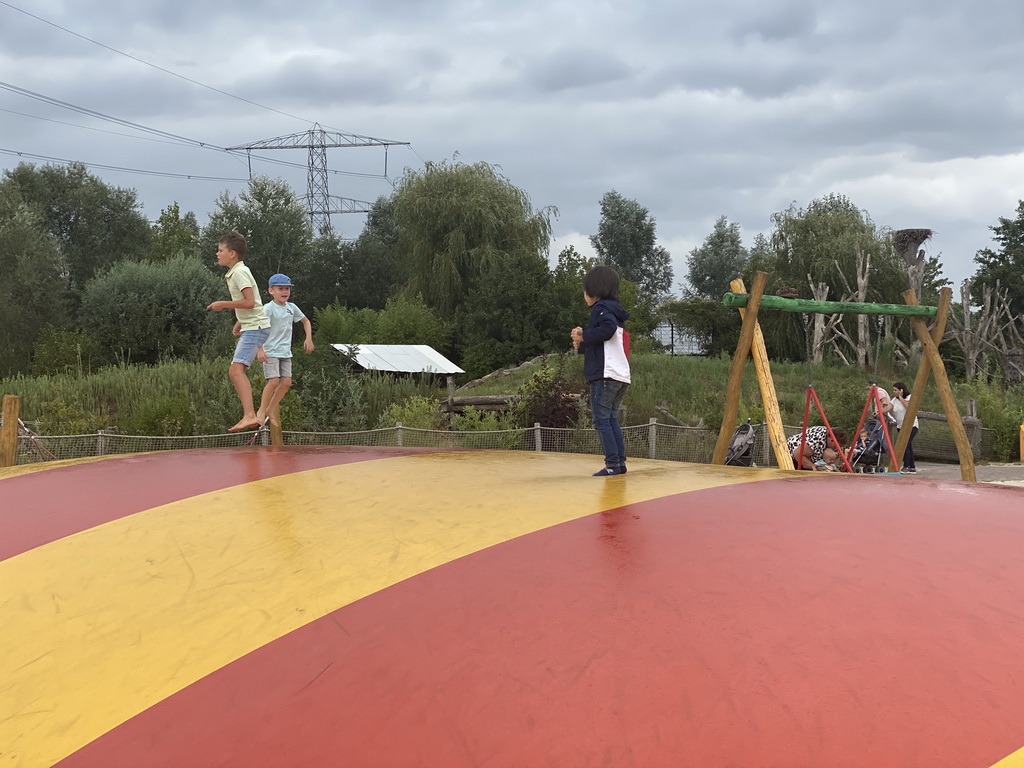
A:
x,y
604,343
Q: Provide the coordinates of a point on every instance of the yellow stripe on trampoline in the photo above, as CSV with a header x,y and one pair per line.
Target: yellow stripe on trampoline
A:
x,y
103,624
1016,760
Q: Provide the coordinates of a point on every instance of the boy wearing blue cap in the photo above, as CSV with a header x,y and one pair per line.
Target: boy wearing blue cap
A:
x,y
276,352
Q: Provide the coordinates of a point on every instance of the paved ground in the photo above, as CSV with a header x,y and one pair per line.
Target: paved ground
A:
x,y
1007,474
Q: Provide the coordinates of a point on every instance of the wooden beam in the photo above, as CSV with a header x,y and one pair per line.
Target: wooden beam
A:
x,y
924,369
805,306
9,431
765,382
956,425
739,359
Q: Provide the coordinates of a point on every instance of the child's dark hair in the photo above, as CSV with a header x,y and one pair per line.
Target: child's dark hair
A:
x,y
234,242
602,282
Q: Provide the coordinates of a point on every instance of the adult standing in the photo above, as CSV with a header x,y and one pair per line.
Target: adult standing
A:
x,y
900,403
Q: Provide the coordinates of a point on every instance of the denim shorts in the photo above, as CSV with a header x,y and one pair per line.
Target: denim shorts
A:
x,y
277,368
248,343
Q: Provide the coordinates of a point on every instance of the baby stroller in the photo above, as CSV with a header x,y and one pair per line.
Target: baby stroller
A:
x,y
869,456
741,448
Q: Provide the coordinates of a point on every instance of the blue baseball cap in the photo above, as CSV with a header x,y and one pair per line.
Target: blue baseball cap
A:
x,y
279,279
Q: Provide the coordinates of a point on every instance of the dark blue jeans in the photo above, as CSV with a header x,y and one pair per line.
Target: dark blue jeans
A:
x,y
606,398
909,460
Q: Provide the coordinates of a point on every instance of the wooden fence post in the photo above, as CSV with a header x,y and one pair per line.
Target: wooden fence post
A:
x,y
276,436
9,431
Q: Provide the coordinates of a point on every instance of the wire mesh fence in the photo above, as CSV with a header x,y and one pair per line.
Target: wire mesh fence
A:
x,y
653,440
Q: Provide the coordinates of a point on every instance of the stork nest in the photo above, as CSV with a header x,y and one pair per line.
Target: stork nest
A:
x,y
909,240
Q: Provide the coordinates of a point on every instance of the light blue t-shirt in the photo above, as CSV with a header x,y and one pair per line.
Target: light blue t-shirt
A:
x,y
279,343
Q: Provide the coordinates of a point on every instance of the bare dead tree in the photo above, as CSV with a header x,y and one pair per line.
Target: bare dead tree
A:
x,y
826,328
861,347
991,330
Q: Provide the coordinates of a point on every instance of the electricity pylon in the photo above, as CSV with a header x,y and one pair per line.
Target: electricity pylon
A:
x,y
319,202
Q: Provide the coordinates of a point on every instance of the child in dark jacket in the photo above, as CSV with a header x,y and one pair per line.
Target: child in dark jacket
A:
x,y
604,345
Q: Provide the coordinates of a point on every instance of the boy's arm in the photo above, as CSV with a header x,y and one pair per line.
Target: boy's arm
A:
x,y
308,343
248,301
603,330
236,330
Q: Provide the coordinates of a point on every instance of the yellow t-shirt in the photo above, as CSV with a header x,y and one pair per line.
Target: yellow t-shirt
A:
x,y
239,277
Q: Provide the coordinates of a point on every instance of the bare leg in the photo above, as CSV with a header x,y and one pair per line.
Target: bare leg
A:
x,y
268,394
238,373
278,394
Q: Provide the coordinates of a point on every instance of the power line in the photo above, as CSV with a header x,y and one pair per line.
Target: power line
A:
x,y
85,127
148,64
140,171
102,116
173,137
155,66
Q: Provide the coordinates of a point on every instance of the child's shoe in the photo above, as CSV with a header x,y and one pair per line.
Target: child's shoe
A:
x,y
609,471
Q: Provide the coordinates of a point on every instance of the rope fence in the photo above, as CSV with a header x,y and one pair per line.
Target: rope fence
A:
x,y
653,440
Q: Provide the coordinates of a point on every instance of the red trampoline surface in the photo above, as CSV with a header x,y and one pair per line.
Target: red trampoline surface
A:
x,y
683,615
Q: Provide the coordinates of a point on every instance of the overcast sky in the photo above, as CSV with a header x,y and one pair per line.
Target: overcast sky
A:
x,y
913,110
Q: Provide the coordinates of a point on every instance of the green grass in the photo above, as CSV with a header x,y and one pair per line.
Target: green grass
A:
x,y
183,398
693,389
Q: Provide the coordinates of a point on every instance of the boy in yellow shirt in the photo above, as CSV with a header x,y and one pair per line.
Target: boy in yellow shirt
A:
x,y
252,326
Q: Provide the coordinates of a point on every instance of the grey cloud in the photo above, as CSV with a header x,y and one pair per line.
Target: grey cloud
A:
x,y
568,68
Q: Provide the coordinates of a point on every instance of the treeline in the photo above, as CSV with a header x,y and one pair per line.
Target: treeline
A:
x,y
456,257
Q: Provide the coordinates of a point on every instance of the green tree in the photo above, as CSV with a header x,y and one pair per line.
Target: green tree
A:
x,y
719,260
142,312
344,325
822,245
456,220
279,237
174,235
1005,264
32,293
410,321
716,326
510,316
626,241
96,224
823,241
567,294
371,270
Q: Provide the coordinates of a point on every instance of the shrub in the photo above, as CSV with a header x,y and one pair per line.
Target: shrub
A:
x,y
549,398
70,352
416,412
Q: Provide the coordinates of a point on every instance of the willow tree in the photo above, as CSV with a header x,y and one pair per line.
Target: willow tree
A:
x,y
832,250
455,221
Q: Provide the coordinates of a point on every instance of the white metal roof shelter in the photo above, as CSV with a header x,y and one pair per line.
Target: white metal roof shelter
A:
x,y
399,358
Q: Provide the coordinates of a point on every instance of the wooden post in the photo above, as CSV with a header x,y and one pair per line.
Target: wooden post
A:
x,y
9,431
923,371
772,413
739,359
276,436
956,425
